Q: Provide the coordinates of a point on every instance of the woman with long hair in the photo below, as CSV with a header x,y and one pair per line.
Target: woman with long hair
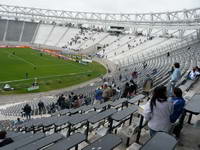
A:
x,y
157,112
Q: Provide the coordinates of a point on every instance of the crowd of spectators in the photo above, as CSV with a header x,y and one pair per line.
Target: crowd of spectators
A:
x,y
70,101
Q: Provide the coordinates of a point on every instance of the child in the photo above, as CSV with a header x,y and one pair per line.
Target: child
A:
x,y
178,104
178,107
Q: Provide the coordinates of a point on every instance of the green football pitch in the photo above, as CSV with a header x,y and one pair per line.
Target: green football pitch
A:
x,y
20,67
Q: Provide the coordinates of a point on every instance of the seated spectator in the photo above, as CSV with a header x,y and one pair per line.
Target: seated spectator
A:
x,y
120,77
18,122
126,90
168,54
67,103
110,91
4,140
98,95
134,75
197,71
87,100
52,108
81,99
155,71
77,103
192,74
107,92
74,98
61,101
114,89
157,112
144,65
132,88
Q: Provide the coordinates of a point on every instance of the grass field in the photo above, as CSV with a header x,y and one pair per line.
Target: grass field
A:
x,y
52,73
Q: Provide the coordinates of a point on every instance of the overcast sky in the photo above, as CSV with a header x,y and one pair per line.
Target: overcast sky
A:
x,y
117,6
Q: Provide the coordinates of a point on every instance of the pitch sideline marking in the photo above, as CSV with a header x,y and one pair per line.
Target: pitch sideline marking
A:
x,y
20,58
44,77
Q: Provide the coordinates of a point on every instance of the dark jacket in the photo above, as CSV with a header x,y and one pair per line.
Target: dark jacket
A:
x,y
27,109
178,104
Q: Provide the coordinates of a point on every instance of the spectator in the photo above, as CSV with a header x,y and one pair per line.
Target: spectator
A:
x,y
81,99
41,107
27,111
4,140
61,101
148,85
192,75
168,54
18,122
114,89
67,103
106,92
178,103
132,88
155,71
77,103
110,91
134,74
74,98
120,77
88,100
157,111
22,113
52,108
71,96
144,65
175,77
98,95
126,90
178,106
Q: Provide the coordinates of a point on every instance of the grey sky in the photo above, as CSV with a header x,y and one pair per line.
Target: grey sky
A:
x,y
118,6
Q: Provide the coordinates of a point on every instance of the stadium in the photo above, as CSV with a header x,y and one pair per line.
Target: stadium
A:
x,y
99,81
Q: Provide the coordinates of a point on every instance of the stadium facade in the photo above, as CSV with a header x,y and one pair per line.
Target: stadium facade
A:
x,y
53,29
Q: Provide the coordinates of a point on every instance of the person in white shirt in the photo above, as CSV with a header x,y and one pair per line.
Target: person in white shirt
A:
x,y
157,112
192,74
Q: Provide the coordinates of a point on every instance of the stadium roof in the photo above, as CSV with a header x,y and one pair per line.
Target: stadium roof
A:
x,y
111,6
